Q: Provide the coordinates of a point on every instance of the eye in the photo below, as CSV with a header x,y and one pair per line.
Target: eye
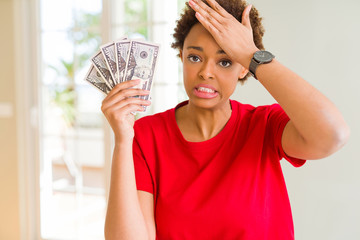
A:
x,y
225,63
193,58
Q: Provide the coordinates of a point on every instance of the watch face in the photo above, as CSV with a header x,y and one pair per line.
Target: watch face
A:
x,y
263,56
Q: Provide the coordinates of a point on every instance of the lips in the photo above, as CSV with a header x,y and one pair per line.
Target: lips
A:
x,y
205,91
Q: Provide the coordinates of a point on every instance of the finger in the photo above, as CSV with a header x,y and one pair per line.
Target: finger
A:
x,y
207,24
123,85
126,110
210,23
127,102
117,106
132,109
217,8
206,12
130,92
123,94
119,114
246,17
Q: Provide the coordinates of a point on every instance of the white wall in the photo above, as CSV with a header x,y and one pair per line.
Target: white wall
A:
x,y
320,41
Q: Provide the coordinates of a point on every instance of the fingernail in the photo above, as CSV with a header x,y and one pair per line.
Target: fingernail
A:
x,y
193,5
250,8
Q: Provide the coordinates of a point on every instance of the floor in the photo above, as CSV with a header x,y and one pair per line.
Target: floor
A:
x,y
69,212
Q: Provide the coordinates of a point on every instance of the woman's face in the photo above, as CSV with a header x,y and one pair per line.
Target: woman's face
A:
x,y
210,76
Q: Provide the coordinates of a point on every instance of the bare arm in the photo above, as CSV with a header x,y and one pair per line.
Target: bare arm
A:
x,y
316,129
124,218
147,205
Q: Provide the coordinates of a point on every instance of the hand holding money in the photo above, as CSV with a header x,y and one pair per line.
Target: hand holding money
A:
x,y
122,61
118,105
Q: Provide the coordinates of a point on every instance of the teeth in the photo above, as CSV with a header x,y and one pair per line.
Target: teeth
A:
x,y
203,89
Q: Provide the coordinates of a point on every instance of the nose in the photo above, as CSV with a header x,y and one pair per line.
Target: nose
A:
x,y
207,70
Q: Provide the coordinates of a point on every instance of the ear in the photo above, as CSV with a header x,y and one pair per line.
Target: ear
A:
x,y
243,72
181,55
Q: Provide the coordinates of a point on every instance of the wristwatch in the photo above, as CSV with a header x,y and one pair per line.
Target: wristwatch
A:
x,y
260,57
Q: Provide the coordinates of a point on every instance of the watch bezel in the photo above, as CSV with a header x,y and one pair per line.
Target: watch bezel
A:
x,y
259,57
263,56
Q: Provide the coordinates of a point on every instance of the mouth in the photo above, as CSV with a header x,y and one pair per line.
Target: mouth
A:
x,y
205,91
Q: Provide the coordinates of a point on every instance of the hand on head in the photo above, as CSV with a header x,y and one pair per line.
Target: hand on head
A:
x,y
235,38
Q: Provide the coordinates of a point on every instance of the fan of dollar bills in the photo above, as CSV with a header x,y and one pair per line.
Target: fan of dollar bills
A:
x,y
121,61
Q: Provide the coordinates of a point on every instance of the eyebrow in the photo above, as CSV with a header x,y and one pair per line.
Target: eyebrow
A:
x,y
201,49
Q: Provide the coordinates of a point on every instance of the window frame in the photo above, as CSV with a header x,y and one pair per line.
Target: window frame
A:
x,y
27,55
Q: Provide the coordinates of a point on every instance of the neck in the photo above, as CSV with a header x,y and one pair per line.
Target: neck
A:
x,y
199,124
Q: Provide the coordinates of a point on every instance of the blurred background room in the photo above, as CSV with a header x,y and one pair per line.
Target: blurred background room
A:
x,y
55,144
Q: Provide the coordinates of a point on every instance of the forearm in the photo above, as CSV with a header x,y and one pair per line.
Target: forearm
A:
x,y
124,218
315,117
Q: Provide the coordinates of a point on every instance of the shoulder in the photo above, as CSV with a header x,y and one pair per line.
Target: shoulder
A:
x,y
155,123
151,120
250,110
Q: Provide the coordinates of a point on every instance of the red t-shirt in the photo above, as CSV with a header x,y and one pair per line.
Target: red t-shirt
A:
x,y
228,187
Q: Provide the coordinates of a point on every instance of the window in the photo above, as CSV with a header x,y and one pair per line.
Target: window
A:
x,y
73,143
72,179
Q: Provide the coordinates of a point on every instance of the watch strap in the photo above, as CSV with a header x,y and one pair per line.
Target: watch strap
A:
x,y
253,66
264,57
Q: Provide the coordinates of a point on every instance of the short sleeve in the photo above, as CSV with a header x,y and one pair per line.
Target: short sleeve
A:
x,y
277,121
143,178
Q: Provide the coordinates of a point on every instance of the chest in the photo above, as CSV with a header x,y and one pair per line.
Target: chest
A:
x,y
221,193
